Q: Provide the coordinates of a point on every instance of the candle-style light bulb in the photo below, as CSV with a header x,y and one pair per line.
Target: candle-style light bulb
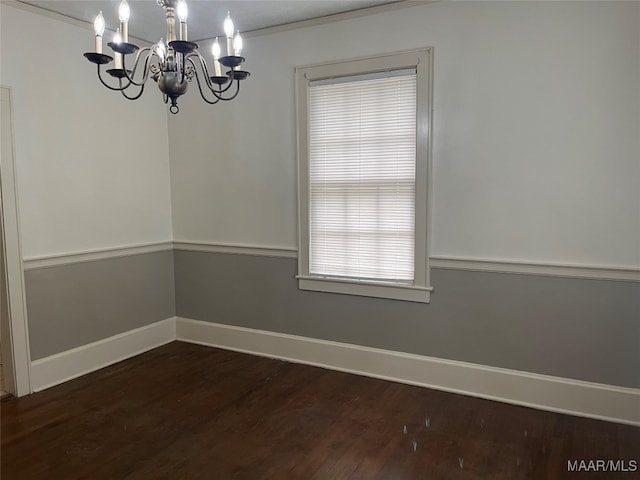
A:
x,y
124,11
215,51
228,31
228,26
182,16
182,10
161,50
237,44
98,27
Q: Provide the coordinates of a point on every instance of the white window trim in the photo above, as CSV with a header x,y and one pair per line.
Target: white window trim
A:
x,y
422,61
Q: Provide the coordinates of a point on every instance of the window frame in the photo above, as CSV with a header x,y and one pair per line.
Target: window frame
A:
x,y
422,61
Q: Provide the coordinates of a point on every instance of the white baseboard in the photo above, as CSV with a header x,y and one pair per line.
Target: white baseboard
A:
x,y
61,367
562,395
574,397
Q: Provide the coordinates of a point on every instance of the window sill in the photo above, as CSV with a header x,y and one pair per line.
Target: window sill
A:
x,y
410,293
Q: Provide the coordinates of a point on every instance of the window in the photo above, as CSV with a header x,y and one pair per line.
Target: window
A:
x,y
363,171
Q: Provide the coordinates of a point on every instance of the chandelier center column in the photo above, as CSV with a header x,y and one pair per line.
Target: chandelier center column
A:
x,y
170,12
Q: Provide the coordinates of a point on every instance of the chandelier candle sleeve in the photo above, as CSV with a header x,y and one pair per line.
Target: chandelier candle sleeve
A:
x,y
124,12
237,47
118,56
98,27
183,12
228,31
215,51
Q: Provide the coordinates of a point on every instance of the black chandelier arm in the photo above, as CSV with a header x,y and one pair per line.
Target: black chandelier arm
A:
x,y
216,90
135,97
235,94
184,70
210,102
145,72
203,66
116,89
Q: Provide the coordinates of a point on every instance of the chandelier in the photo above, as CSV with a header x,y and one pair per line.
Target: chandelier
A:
x,y
171,64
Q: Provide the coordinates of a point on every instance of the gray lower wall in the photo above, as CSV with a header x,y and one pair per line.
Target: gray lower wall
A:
x,y
75,304
574,328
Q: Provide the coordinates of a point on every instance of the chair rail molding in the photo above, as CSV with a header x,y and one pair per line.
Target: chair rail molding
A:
x,y
236,249
549,269
566,270
522,267
46,261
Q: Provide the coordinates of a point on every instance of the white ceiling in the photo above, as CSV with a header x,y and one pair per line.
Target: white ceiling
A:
x,y
205,16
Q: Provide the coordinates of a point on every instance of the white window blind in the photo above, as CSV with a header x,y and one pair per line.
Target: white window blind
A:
x,y
362,177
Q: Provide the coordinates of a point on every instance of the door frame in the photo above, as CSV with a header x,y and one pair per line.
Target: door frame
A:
x,y
18,372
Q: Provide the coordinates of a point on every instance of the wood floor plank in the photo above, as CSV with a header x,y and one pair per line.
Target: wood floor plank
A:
x,y
184,411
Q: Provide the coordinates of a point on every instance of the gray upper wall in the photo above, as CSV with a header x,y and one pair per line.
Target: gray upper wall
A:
x,y
574,328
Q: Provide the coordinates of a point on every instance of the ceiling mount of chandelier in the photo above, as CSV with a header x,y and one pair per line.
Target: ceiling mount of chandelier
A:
x,y
171,64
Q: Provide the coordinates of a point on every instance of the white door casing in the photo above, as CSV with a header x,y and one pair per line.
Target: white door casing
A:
x,y
16,355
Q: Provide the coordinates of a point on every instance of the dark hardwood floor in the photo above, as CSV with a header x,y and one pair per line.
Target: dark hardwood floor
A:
x,y
190,412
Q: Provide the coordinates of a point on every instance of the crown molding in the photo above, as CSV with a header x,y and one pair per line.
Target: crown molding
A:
x,y
60,17
336,17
